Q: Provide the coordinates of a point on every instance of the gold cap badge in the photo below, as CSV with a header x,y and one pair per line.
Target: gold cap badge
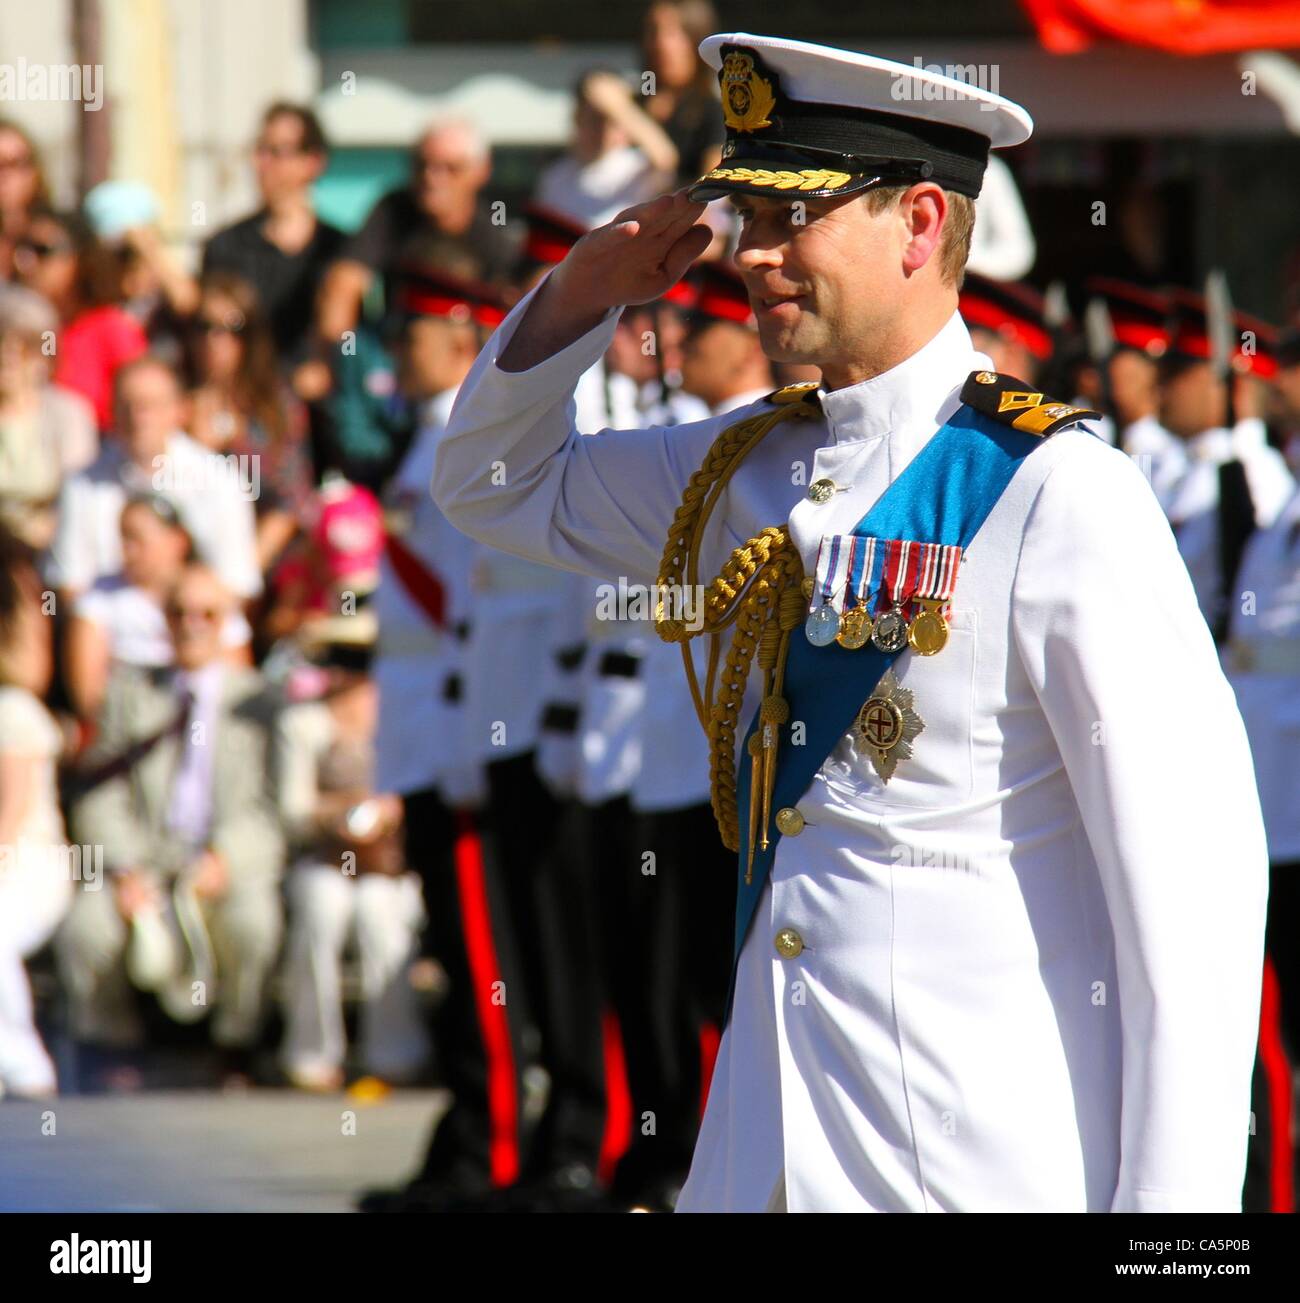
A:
x,y
747,98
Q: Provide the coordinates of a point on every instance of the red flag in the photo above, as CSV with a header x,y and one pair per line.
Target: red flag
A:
x,y
1176,26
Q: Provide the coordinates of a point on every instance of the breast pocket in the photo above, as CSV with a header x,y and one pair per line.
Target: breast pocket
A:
x,y
939,771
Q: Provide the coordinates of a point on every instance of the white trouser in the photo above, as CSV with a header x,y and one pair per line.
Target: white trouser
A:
x,y
325,908
34,895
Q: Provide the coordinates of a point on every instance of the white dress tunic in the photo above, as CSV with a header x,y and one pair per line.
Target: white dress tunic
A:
x,y
1031,963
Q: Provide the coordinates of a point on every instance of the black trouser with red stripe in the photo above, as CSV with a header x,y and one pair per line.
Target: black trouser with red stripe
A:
x,y
1272,1170
667,952
533,902
480,1027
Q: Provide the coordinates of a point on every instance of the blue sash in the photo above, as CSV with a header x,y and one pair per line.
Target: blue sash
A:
x,y
943,496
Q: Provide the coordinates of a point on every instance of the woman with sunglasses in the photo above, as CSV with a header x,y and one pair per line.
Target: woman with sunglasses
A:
x,y
120,620
240,406
60,258
22,189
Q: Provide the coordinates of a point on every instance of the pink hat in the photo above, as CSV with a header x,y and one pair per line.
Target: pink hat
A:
x,y
349,535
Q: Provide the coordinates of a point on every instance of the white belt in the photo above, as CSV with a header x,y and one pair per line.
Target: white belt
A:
x,y
408,642
1264,656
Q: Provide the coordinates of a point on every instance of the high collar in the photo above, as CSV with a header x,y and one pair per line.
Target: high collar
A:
x,y
1213,446
920,391
437,410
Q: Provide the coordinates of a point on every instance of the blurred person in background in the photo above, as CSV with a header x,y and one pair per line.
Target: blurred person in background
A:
x,y
22,190
60,258
240,405
1287,397
450,165
349,875
618,154
46,432
1008,323
35,879
333,564
155,289
684,99
180,799
1232,487
150,452
120,619
284,248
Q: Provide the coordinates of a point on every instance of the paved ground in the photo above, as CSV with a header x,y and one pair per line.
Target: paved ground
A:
x,y
263,1151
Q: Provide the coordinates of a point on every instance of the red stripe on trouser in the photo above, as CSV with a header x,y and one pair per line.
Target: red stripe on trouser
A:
x,y
710,1039
1277,1076
484,974
618,1101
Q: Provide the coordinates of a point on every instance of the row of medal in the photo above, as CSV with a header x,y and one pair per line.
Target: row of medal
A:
x,y
898,577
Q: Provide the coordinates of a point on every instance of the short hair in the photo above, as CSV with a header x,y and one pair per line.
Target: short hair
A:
x,y
145,362
313,134
954,243
476,143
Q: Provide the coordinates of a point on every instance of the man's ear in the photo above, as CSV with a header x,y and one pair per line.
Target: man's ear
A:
x,y
923,210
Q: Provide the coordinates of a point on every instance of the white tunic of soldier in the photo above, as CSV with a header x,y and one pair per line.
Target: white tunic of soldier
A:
x,y
418,742
1263,661
1193,504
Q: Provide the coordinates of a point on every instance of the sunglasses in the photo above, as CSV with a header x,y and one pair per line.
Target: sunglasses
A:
x,y
277,151
206,326
209,614
40,249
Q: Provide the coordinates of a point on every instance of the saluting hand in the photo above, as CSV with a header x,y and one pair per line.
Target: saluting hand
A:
x,y
635,258
638,256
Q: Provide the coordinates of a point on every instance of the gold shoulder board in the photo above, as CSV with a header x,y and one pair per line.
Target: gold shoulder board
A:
x,y
1016,404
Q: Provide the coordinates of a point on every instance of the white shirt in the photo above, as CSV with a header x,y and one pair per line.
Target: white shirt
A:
x,y
135,625
1031,965
189,813
212,504
594,193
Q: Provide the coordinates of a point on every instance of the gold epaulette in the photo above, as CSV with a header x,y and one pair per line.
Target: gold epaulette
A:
x,y
1016,404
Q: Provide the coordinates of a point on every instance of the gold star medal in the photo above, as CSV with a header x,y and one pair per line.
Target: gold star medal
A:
x,y
886,725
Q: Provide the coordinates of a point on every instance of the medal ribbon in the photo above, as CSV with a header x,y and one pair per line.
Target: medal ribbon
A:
x,y
938,571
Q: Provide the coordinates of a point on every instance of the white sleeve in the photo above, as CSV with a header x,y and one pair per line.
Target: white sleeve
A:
x,y
513,471
71,561
1124,666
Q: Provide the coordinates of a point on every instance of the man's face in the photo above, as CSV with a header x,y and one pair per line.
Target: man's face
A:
x,y
281,165
196,609
1288,389
1133,388
822,274
148,411
1192,399
445,175
436,354
714,353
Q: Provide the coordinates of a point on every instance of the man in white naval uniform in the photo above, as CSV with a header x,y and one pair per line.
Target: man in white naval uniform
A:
x,y
1024,973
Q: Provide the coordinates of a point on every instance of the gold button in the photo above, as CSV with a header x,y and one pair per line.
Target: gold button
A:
x,y
987,378
789,821
806,587
821,491
788,943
